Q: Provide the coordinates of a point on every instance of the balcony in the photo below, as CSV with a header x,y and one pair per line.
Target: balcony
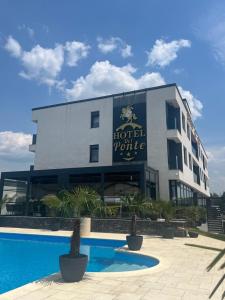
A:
x,y
174,134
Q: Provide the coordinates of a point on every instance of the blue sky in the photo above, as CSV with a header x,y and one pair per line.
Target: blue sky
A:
x,y
55,51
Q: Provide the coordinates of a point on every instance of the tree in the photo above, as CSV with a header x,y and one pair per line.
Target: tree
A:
x,y
76,203
135,204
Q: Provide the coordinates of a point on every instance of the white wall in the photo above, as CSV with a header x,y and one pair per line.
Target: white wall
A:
x,y
187,174
64,134
157,141
157,135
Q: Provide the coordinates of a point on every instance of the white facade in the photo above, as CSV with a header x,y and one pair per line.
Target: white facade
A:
x,y
64,135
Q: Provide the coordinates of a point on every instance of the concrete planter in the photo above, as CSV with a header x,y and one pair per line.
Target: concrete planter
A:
x,y
73,268
134,242
85,226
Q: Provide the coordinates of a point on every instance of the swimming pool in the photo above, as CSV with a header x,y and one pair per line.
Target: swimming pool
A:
x,y
25,258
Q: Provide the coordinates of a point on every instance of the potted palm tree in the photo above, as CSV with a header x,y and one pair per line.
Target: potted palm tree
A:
x,y
135,204
134,241
73,265
79,202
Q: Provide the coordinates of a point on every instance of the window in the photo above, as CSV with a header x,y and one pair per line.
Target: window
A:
x,y
190,162
183,122
205,182
188,131
94,149
202,176
173,117
185,155
94,119
174,151
204,162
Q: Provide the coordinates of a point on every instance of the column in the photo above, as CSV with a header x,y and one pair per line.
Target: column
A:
x,y
102,186
27,196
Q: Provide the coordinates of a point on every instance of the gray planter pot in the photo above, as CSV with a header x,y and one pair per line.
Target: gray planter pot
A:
x,y
134,242
73,268
193,234
168,233
180,233
55,226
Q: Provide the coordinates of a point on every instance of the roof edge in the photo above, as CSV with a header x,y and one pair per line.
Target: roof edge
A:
x,y
107,96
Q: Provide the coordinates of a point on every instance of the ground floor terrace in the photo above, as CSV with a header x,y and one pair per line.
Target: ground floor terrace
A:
x,y
181,274
22,190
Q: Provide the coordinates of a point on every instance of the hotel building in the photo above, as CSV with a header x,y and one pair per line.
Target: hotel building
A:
x,y
142,140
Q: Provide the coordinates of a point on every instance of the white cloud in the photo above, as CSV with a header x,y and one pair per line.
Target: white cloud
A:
x,y
114,43
162,53
13,47
126,51
14,145
45,64
75,52
195,105
105,78
29,30
107,46
216,155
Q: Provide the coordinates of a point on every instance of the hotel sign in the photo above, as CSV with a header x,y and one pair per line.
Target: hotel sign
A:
x,y
129,128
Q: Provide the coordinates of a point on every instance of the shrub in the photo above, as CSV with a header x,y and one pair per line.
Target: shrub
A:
x,y
163,209
195,215
135,204
81,201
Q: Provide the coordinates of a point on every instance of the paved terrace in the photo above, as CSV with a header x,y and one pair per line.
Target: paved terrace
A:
x,y
181,274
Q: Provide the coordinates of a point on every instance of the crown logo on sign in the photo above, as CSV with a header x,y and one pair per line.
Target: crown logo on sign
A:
x,y
129,117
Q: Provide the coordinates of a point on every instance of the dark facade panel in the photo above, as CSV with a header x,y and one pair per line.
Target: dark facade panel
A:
x,y
129,140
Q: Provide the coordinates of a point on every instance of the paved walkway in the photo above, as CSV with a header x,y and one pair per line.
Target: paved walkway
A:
x,y
181,274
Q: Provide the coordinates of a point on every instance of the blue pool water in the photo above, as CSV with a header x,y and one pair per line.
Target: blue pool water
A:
x,y
25,258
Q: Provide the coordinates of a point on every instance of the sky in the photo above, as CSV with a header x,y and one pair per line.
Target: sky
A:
x,y
55,51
